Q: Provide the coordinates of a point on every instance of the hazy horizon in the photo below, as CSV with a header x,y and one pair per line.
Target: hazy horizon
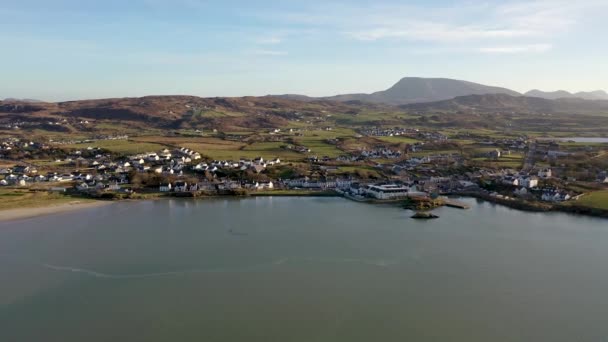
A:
x,y
246,95
71,50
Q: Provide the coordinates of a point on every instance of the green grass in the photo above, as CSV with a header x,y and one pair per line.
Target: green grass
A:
x,y
218,114
425,153
235,151
398,140
269,150
598,199
121,146
19,198
319,147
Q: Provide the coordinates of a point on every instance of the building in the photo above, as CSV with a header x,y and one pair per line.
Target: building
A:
x,y
495,154
510,180
555,196
388,191
545,173
264,185
528,182
181,187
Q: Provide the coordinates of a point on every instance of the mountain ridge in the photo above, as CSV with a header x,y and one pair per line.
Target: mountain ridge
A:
x,y
503,103
410,90
413,90
559,94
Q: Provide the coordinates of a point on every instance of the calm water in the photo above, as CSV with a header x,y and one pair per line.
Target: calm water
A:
x,y
302,269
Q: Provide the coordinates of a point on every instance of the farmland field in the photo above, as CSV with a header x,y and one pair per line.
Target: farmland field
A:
x,y
121,146
597,199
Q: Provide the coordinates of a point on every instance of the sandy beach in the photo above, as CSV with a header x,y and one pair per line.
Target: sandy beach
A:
x,y
24,213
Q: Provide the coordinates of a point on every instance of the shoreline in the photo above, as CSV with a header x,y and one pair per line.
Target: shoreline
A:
x,y
526,206
16,214
32,212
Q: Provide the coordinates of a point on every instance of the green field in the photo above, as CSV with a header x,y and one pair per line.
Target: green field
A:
x,y
121,146
269,150
319,147
18,198
597,200
398,140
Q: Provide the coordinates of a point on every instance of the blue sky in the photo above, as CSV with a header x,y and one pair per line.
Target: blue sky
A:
x,y
75,49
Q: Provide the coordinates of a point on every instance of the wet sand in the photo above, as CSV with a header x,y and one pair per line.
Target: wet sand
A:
x,y
25,213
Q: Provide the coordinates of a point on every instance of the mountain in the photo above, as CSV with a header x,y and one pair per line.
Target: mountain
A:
x,y
549,95
176,111
415,90
502,103
11,99
592,95
562,94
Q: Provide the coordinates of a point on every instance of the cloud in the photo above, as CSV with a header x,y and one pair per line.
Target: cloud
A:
x,y
272,40
533,48
269,53
434,32
474,22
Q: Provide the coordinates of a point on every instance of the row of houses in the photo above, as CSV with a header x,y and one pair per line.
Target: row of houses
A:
x,y
322,183
258,165
389,132
521,180
381,153
182,186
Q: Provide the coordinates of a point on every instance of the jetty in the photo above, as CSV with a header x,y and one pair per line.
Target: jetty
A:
x,y
456,204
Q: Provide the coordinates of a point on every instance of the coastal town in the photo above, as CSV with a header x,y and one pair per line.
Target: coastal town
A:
x,y
522,172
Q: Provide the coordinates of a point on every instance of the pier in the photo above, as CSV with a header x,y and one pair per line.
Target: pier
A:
x,y
456,204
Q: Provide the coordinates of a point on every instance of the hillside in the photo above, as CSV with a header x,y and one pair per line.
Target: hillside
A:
x,y
181,111
503,103
562,94
415,90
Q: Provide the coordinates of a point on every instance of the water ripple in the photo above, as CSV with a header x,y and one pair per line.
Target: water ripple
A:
x,y
258,267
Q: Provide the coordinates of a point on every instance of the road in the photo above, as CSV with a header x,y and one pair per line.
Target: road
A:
x,y
529,161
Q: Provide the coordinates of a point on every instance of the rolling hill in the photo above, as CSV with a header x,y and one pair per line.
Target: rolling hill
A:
x,y
562,94
502,103
181,111
415,90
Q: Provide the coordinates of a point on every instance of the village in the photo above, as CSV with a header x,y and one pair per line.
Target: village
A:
x,y
392,173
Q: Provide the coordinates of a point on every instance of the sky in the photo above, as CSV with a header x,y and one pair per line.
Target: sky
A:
x,y
76,49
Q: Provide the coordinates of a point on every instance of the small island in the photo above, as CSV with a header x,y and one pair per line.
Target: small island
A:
x,y
424,215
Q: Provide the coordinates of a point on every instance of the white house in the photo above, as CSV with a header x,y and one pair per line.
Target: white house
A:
x,y
495,154
113,187
528,182
545,173
264,186
510,180
521,192
82,186
165,187
555,196
181,186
